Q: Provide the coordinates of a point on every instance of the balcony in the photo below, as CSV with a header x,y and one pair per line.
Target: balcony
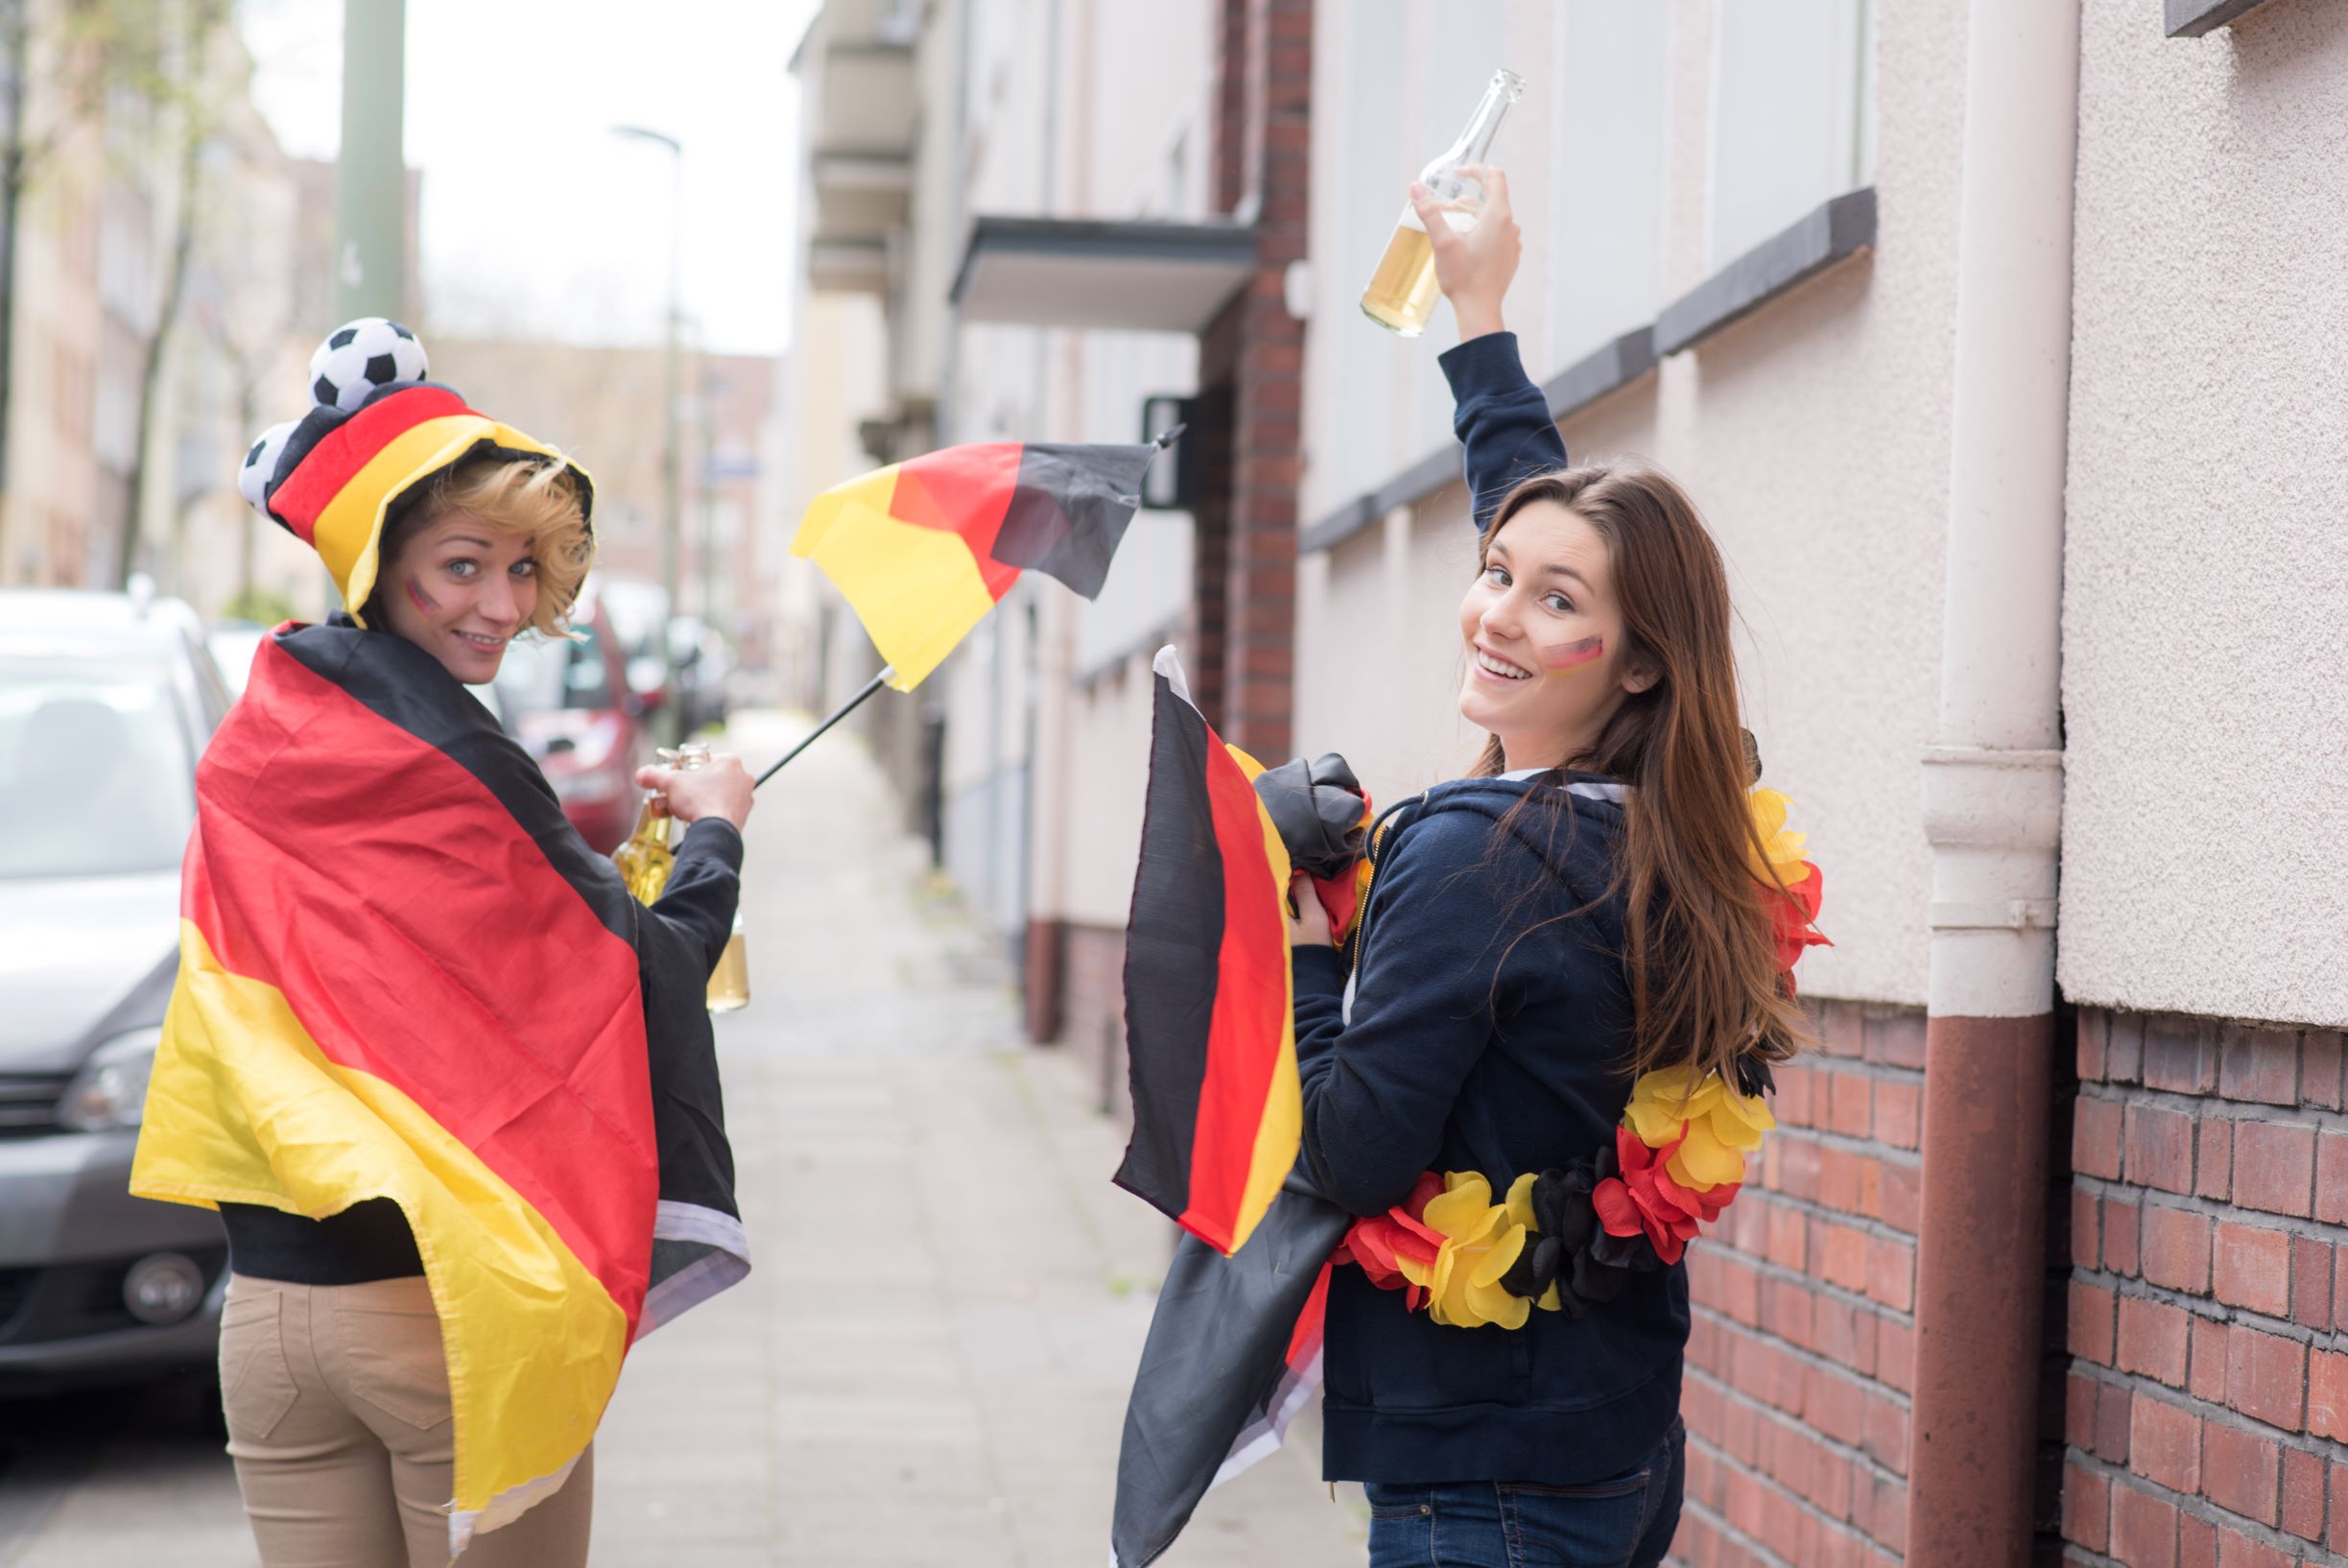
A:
x,y
1132,274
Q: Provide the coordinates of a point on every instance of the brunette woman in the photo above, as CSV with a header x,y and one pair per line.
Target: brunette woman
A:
x,y
1570,942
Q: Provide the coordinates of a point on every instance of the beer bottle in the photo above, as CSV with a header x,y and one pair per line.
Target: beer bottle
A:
x,y
645,862
1402,292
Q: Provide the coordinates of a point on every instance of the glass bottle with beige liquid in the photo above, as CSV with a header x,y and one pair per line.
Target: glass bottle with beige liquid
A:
x,y
648,857
1402,292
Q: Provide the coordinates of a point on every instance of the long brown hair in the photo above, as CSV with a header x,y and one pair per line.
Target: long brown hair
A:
x,y
1704,981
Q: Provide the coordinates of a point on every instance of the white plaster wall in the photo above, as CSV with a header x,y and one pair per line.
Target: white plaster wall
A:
x,y
1815,437
1064,123
2205,625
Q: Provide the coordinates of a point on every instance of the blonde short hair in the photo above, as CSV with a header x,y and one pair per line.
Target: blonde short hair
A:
x,y
532,498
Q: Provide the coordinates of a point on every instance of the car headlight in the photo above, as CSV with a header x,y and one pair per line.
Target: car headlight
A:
x,y
110,1090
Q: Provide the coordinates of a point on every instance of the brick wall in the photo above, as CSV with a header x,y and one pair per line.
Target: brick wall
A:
x,y
2206,1401
1798,1371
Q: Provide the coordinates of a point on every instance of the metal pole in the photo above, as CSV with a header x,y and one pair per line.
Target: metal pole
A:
x,y
370,172
707,408
845,709
671,459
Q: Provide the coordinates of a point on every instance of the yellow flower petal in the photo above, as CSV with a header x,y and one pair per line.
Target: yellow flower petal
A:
x,y
1551,1300
1703,1161
1656,1126
1661,1100
1500,1257
1456,1212
1446,1263
1739,1121
1779,854
1519,1200
1490,1304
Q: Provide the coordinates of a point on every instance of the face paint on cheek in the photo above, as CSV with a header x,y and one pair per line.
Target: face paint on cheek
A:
x,y
1572,655
418,596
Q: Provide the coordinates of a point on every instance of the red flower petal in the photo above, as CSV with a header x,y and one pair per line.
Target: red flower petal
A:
x,y
1616,1211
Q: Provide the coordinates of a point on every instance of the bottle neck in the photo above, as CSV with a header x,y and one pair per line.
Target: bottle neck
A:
x,y
1475,143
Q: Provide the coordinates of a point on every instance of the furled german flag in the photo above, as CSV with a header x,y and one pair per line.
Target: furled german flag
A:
x,y
1209,1003
923,549
403,977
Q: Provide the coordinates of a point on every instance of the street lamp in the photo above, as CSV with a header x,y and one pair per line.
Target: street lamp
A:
x,y
670,465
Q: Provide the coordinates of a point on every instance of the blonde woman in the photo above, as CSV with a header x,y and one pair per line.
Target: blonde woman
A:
x,y
446,1084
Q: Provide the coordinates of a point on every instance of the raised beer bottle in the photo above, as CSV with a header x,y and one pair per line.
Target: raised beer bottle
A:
x,y
1402,292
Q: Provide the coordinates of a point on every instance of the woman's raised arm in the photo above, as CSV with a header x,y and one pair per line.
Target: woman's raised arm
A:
x,y
1500,417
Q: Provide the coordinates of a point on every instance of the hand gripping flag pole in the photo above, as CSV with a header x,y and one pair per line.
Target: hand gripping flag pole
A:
x,y
924,548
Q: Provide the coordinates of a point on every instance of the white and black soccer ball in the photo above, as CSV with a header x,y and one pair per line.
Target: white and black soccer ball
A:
x,y
360,357
260,463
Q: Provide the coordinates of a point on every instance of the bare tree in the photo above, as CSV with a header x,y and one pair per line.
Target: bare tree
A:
x,y
177,76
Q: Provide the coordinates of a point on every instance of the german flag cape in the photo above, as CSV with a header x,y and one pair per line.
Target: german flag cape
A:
x,y
403,975
923,549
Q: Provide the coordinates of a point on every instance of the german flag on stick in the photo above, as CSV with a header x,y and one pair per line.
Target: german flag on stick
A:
x,y
923,549
1218,1111
403,976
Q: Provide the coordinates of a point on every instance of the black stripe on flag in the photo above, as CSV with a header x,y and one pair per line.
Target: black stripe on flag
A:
x,y
1070,509
1173,948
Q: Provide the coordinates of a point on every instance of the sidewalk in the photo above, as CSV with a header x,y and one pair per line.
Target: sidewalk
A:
x,y
929,1362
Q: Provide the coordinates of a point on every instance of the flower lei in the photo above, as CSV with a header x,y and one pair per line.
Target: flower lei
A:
x,y
1567,1239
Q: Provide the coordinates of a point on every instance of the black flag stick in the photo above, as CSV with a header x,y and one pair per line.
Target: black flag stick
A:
x,y
845,709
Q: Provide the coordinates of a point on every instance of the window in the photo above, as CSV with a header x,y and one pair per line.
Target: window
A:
x,y
1605,256
1792,114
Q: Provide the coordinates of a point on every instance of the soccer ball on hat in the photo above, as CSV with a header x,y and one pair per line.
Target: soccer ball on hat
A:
x,y
360,357
261,465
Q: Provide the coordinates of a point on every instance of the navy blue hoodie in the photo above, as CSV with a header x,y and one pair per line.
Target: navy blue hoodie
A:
x,y
1490,1028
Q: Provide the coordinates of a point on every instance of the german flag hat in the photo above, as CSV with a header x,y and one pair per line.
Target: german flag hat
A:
x,y
376,429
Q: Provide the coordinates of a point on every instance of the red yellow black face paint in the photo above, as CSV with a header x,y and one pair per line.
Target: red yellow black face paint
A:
x,y
1572,655
418,596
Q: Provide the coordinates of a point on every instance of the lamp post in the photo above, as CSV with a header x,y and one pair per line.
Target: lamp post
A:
x,y
672,523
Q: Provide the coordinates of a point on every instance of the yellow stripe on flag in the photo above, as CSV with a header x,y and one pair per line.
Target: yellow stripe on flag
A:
x,y
346,533
1280,1134
244,1107
916,590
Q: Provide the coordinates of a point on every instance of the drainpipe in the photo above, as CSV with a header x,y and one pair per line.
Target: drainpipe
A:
x,y
1993,801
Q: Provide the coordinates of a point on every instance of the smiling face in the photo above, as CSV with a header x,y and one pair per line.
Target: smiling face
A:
x,y
1546,653
459,591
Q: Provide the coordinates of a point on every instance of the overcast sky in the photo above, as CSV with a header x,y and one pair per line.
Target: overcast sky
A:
x,y
535,218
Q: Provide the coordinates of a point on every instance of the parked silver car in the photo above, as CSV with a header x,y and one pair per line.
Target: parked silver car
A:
x,y
106,702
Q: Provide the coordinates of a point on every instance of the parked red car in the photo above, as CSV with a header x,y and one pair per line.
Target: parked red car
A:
x,y
569,704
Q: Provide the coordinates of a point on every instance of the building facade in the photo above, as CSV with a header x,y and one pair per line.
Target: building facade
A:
x,y
2000,343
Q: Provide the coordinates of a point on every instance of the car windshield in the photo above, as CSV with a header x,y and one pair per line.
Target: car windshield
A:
x,y
536,676
115,729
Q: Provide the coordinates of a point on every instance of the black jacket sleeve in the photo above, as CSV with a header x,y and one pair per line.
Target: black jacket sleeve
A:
x,y
705,886
1378,1091
1500,417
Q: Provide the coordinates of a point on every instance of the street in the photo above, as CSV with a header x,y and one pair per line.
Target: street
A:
x,y
929,1362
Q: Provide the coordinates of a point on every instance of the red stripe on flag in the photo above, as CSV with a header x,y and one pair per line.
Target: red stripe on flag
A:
x,y
1304,1342
400,961
343,451
1251,1004
963,490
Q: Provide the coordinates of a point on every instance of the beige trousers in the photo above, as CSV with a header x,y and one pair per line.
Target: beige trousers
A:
x,y
336,1399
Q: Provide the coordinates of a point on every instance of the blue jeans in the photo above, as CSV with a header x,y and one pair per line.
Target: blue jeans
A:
x,y
1623,1522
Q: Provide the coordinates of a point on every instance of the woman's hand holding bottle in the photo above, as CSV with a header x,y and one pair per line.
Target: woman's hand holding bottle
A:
x,y
721,787
1474,268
